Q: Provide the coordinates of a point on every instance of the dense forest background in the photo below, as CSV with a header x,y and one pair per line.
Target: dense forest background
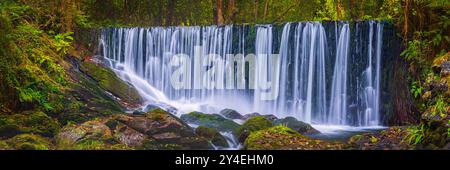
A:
x,y
36,36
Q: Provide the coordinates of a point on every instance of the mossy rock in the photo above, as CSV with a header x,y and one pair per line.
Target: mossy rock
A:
x,y
299,126
108,80
212,135
162,130
4,145
35,122
253,124
283,138
98,145
214,121
29,142
71,135
231,114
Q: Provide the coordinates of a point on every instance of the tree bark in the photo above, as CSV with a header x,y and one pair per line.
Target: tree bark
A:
x,y
219,14
255,10
266,9
231,11
170,11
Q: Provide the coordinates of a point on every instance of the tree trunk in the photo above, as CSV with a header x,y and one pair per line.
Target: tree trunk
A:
x,y
338,9
231,11
266,9
255,10
219,12
170,11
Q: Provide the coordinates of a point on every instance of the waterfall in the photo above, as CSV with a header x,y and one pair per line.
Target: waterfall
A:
x,y
303,70
338,103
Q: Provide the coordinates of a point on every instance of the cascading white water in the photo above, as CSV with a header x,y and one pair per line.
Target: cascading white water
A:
x,y
338,103
309,77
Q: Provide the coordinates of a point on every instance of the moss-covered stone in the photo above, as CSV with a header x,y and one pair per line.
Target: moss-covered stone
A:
x,y
253,124
29,142
71,135
214,121
28,122
283,138
299,126
212,135
4,145
110,82
231,114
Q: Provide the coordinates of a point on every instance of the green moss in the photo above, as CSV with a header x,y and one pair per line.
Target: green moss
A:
x,y
253,141
210,120
28,122
253,124
29,142
211,135
4,145
110,82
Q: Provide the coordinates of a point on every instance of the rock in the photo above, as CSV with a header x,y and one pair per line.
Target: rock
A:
x,y
283,138
108,80
28,122
299,126
253,124
29,142
164,129
214,121
125,134
231,114
150,107
250,115
72,135
212,135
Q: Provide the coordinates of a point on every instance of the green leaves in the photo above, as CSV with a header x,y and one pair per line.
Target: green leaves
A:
x,y
416,89
63,42
416,134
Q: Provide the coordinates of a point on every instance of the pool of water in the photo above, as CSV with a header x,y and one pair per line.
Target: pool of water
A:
x,y
342,133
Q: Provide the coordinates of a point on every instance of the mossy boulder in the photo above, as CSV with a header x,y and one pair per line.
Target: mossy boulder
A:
x,y
29,142
164,131
299,126
214,121
28,122
251,125
231,114
270,117
212,135
74,136
108,80
283,138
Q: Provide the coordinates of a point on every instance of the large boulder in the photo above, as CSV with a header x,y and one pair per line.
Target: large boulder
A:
x,y
91,135
108,80
251,125
156,129
215,121
283,138
299,126
231,114
212,135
